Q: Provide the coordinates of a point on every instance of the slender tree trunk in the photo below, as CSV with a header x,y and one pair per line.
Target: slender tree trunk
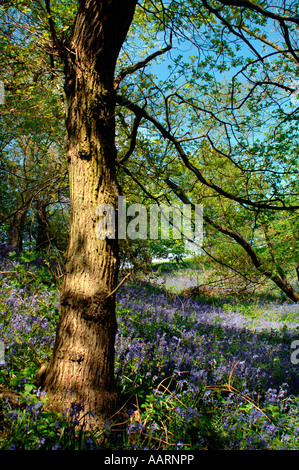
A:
x,y
83,356
16,229
43,235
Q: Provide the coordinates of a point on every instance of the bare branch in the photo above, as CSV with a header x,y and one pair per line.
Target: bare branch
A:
x,y
259,9
139,65
119,285
133,140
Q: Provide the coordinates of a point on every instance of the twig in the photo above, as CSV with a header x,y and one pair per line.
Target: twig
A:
x,y
119,285
17,272
229,388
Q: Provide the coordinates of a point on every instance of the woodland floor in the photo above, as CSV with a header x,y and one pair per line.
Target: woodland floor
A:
x,y
212,370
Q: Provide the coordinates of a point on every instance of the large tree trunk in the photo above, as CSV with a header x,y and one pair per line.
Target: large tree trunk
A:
x,y
83,357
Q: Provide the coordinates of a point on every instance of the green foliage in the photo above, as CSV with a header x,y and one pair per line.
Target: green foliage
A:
x,y
215,97
32,269
34,427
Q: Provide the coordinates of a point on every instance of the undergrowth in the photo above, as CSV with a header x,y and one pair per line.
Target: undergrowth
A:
x,y
191,374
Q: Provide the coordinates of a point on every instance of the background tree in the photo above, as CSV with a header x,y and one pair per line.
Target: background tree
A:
x,y
32,130
241,155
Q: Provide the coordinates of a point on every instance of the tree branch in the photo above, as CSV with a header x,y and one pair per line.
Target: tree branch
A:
x,y
231,29
269,43
259,9
139,65
281,281
56,42
166,134
282,19
130,174
119,285
133,140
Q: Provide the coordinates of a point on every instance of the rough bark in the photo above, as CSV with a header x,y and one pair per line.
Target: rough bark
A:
x,y
83,358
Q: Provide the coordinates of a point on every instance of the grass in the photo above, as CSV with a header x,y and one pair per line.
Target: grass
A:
x,y
193,372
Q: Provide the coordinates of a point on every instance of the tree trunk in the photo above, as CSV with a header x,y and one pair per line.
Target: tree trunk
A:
x,y
83,358
43,236
16,229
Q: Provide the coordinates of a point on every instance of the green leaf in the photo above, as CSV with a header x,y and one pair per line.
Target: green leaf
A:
x,y
28,388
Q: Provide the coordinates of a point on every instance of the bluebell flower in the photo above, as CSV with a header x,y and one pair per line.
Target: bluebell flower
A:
x,y
56,447
135,428
41,441
108,425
